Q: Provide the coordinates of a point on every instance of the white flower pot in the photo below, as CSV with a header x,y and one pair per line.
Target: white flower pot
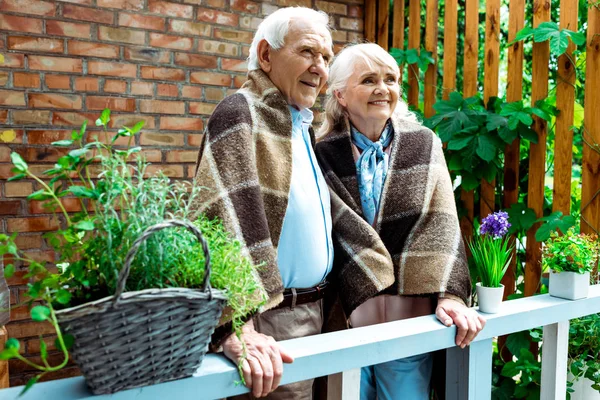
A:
x,y
569,285
489,298
583,389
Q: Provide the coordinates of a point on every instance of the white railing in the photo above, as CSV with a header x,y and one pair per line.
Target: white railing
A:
x,y
341,354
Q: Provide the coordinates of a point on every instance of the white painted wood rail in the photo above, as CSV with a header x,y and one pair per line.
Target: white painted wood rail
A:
x,y
469,370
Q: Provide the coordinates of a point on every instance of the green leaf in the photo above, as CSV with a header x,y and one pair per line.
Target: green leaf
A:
x,y
29,385
528,134
86,225
517,341
459,143
545,31
577,37
137,127
43,349
523,34
18,162
486,148
82,130
7,354
12,344
39,195
82,191
68,340
521,218
63,296
9,271
469,182
78,152
552,223
16,177
63,143
40,313
105,117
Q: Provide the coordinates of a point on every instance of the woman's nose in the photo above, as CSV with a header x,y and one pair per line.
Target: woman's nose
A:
x,y
380,87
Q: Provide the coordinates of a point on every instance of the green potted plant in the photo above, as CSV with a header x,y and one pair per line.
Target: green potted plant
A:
x,y
584,358
491,256
130,297
570,257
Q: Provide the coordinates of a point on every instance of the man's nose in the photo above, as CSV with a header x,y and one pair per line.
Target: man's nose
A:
x,y
319,66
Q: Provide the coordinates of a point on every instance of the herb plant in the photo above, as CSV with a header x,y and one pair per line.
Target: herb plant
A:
x,y
571,252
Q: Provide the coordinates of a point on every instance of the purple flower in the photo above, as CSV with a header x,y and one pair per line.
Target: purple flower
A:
x,y
495,225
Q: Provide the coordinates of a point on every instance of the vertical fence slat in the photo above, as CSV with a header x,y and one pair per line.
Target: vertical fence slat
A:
x,y
450,36
554,361
383,23
469,90
590,199
344,385
565,102
537,152
469,371
370,20
490,88
431,41
414,42
398,30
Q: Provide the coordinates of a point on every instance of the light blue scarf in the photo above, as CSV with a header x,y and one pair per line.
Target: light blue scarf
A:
x,y
371,169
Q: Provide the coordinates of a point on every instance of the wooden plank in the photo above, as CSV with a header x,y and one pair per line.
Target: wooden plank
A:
x,y
344,385
431,43
590,200
565,102
537,152
370,20
398,30
469,371
554,361
414,42
514,92
383,23
4,381
450,35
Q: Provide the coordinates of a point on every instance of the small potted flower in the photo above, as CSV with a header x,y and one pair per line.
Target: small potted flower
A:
x,y
570,257
491,255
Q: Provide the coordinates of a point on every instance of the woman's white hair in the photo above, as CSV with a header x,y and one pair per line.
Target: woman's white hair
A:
x,y
343,67
275,27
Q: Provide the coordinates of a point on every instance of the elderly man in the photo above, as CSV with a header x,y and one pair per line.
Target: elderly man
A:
x,y
265,184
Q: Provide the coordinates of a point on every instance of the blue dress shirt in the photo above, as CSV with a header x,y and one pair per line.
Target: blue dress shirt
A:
x,y
305,250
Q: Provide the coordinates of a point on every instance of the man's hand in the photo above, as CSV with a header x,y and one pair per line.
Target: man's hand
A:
x,y
263,366
468,322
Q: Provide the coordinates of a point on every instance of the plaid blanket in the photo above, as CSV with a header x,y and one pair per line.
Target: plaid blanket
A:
x,y
245,162
415,246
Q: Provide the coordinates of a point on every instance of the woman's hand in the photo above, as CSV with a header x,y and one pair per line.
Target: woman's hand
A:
x,y
468,321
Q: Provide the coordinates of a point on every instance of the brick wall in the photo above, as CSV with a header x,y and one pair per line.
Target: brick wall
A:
x,y
165,62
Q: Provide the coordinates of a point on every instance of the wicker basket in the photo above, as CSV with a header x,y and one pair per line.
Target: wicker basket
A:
x,y
141,338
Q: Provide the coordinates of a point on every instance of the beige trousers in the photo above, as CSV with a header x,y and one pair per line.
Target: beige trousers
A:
x,y
288,323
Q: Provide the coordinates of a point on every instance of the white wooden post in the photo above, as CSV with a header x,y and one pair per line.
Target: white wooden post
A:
x,y
344,386
469,371
554,361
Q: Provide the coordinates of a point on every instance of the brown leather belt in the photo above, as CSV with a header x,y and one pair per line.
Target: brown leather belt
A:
x,y
303,296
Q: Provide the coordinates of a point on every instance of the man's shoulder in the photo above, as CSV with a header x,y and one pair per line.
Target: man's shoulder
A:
x,y
231,111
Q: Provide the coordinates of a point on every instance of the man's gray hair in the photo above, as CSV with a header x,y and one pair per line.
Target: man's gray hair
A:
x,y
275,27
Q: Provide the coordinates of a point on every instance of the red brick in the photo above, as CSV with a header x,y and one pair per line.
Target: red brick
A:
x,y
114,86
58,82
114,103
3,116
90,49
84,2
232,64
10,207
49,100
189,28
119,120
71,204
170,41
20,24
164,90
182,156
86,84
28,43
122,4
351,24
87,14
332,7
172,171
216,3
210,78
31,241
11,136
18,189
170,9
61,64
33,346
233,35
46,137
141,88
239,80
162,139
111,69
142,21
181,124
202,108
147,54
217,17
213,94
23,79
36,224
355,11
163,74
152,155
192,92
162,107
36,7
244,6
71,29
3,78
72,118
248,22
122,35
30,117
12,98
195,140
339,36
196,60
41,155
222,48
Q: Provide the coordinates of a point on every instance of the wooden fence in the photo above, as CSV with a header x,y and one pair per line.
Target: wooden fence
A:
x,y
377,29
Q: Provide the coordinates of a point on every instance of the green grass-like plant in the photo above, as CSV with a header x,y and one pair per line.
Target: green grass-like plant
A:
x,y
491,258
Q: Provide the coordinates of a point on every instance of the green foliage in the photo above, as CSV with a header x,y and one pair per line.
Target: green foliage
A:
x,y
584,349
550,31
571,252
552,223
422,58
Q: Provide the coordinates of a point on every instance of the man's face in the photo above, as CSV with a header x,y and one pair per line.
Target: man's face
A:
x,y
300,68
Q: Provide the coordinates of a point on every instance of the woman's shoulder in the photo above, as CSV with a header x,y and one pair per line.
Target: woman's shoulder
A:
x,y
416,131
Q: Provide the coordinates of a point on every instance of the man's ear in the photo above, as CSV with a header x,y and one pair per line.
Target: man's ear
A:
x,y
264,52
339,96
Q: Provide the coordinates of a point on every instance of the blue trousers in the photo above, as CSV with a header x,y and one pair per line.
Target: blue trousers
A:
x,y
405,379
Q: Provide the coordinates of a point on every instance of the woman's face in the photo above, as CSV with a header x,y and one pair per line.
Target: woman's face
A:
x,y
371,94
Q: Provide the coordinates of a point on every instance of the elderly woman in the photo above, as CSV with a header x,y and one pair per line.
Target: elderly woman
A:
x,y
397,243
